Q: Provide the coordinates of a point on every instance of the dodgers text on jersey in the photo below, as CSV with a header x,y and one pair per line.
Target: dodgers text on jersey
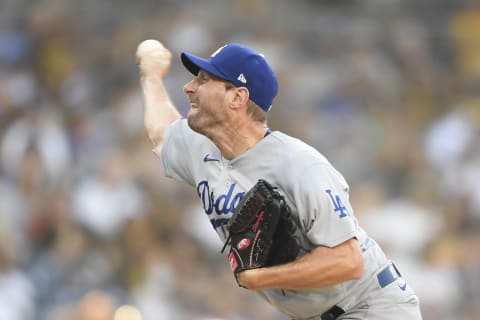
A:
x,y
217,206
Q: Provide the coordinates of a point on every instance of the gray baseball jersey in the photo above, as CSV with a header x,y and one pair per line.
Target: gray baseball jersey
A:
x,y
317,194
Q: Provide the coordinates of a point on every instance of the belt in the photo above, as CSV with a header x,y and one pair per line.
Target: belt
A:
x,y
388,274
332,313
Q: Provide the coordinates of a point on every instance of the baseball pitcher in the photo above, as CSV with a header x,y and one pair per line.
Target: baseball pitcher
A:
x,y
279,206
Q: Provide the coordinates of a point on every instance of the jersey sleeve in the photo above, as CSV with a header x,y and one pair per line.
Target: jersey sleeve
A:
x,y
322,200
175,153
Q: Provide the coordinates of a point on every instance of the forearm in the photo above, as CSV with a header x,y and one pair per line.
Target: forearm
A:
x,y
154,61
320,268
159,110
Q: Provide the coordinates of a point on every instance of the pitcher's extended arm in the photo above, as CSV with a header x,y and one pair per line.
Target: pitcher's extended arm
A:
x,y
319,268
154,60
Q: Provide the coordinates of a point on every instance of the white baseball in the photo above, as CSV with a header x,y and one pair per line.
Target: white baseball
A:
x,y
148,46
153,58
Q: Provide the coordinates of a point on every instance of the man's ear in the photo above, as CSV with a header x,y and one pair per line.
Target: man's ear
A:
x,y
242,96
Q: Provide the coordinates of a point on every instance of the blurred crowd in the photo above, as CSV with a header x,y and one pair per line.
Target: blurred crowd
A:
x,y
388,90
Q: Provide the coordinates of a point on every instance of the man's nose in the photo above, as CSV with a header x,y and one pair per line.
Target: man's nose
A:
x,y
189,87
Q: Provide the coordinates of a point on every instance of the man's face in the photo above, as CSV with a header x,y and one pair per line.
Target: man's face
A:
x,y
208,96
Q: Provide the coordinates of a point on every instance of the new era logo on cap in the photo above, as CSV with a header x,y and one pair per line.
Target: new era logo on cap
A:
x,y
241,78
237,63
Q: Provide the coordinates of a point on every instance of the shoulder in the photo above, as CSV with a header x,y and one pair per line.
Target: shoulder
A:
x,y
180,130
296,152
180,126
180,135
300,162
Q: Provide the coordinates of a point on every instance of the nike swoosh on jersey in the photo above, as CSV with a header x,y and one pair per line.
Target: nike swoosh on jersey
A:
x,y
207,158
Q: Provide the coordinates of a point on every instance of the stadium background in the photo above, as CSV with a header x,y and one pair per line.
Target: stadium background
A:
x,y
388,90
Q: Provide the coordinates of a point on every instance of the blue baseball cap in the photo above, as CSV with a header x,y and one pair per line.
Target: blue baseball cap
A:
x,y
241,66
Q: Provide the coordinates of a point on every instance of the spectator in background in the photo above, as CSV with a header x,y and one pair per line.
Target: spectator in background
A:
x,y
17,294
111,191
